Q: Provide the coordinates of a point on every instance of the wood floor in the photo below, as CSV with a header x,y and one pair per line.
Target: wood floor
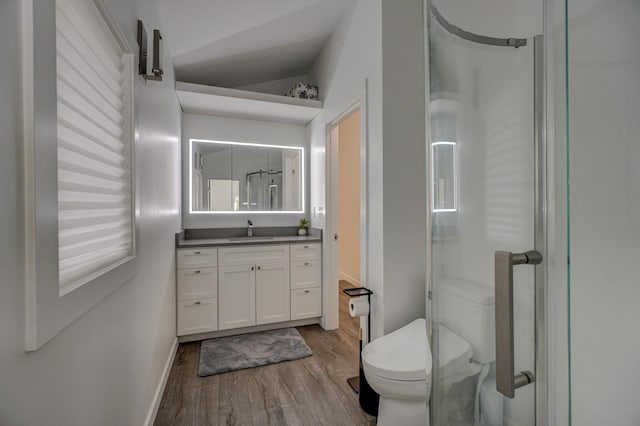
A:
x,y
310,391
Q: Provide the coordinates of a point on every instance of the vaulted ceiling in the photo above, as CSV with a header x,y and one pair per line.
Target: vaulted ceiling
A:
x,y
233,43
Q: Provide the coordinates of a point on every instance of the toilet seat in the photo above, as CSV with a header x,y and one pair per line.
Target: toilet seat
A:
x,y
405,355
402,355
455,357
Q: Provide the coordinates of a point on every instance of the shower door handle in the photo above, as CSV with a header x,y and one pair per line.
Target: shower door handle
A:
x,y
506,379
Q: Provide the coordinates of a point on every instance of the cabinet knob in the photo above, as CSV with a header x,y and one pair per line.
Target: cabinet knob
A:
x,y
252,268
306,263
306,291
259,268
197,303
306,246
197,252
196,272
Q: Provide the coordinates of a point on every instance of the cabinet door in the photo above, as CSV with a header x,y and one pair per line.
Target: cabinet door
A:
x,y
272,293
196,284
197,316
306,273
237,294
306,303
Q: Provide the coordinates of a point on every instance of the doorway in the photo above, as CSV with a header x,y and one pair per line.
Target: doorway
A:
x,y
348,214
346,258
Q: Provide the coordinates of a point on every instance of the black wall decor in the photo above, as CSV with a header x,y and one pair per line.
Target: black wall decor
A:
x,y
156,71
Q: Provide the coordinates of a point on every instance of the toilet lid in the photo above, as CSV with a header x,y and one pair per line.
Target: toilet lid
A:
x,y
402,355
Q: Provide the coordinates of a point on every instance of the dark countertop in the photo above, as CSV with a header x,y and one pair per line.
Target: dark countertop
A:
x,y
221,237
219,242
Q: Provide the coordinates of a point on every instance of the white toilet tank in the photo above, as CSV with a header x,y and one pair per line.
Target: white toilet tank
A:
x,y
467,309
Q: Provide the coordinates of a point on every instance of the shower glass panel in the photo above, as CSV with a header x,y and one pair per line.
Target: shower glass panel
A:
x,y
483,141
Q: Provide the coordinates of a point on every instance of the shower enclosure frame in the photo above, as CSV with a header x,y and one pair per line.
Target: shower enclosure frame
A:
x,y
552,379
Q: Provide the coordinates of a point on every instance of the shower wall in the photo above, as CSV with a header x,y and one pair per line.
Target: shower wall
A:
x,y
604,133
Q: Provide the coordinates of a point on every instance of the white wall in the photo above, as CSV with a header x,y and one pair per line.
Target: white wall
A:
x,y
404,162
240,130
105,367
604,133
353,54
396,159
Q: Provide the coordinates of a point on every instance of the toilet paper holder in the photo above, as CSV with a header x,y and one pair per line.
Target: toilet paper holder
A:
x,y
354,382
357,292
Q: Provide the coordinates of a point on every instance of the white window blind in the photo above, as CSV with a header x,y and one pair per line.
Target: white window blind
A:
x,y
94,90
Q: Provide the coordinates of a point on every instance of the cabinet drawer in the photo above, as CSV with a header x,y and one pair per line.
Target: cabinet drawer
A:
x,y
197,283
249,255
310,251
306,273
197,316
306,303
197,258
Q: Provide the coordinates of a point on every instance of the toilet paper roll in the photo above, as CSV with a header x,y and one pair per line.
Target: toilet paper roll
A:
x,y
358,306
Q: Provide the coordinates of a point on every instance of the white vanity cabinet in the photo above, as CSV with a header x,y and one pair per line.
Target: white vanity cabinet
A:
x,y
254,285
197,291
306,280
247,285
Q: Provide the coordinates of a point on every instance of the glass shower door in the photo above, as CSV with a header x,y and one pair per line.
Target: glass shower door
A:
x,y
483,126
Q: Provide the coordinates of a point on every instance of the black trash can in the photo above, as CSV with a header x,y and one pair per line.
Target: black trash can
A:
x,y
368,398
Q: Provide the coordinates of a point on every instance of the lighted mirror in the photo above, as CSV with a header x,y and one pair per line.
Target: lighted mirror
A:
x,y
443,177
236,177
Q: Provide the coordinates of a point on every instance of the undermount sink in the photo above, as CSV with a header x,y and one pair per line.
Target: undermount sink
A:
x,y
251,239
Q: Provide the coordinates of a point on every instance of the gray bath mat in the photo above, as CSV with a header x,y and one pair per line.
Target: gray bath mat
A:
x,y
251,350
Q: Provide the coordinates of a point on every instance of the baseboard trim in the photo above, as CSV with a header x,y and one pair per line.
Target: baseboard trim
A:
x,y
245,330
343,276
157,397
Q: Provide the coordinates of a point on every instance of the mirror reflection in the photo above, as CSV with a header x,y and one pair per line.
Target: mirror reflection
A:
x,y
236,177
443,170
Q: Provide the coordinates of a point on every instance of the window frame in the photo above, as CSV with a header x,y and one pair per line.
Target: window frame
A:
x,y
47,311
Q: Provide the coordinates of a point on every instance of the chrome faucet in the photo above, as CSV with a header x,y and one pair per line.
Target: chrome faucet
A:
x,y
249,228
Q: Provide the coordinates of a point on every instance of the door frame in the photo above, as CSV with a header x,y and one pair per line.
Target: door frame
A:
x,y
330,318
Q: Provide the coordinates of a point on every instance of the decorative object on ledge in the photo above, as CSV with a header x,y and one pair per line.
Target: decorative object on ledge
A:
x,y
303,91
302,226
156,71
222,101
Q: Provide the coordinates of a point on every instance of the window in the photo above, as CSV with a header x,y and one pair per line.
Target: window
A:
x,y
94,127
79,222
94,145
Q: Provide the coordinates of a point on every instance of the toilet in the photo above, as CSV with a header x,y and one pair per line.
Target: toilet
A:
x,y
398,365
395,366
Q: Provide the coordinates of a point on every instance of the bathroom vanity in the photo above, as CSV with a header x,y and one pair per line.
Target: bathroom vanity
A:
x,y
240,280
236,285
